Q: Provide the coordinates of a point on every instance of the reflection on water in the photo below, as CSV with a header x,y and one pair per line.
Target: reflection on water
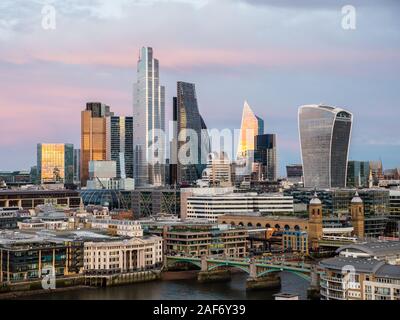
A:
x,y
184,289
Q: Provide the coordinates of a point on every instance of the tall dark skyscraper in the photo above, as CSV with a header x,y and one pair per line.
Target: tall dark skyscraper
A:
x,y
191,137
265,154
119,144
325,139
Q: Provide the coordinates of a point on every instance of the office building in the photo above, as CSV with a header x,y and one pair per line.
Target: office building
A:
x,y
265,155
93,136
119,144
358,174
29,199
210,203
148,122
55,163
295,241
123,255
251,126
192,239
191,138
324,138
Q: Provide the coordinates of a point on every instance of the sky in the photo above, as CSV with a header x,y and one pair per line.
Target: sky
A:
x,y
276,54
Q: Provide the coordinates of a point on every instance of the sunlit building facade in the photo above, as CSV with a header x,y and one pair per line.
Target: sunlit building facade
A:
x,y
251,127
55,163
148,122
324,138
93,136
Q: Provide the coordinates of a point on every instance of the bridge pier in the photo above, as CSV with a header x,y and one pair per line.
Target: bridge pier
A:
x,y
214,276
270,281
313,292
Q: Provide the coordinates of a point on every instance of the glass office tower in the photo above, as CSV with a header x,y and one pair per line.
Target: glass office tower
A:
x,y
250,127
189,118
55,163
324,138
148,122
265,154
119,144
93,136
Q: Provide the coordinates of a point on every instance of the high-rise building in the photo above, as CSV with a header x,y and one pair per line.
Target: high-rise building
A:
x,y
294,172
325,138
77,166
119,144
148,122
192,141
357,174
93,136
250,127
265,154
55,163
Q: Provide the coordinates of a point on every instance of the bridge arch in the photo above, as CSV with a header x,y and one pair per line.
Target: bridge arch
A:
x,y
302,275
188,261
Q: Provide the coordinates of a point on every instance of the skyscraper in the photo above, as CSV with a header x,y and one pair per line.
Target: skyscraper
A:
x,y
119,144
55,163
324,138
265,154
251,126
191,135
93,136
148,122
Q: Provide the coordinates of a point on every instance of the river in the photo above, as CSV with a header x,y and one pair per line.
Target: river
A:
x,y
182,289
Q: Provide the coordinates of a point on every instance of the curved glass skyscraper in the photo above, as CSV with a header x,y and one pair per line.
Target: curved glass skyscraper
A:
x,y
189,118
324,139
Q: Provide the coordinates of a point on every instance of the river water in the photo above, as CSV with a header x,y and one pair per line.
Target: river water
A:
x,y
183,289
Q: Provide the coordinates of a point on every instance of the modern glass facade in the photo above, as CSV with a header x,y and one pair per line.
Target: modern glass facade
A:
x,y
251,126
55,163
93,136
148,120
357,174
324,137
189,118
119,144
265,154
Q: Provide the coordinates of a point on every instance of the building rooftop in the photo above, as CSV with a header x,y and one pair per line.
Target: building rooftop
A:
x,y
347,263
374,249
378,268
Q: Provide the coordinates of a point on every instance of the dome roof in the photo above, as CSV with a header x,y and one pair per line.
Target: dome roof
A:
x,y
315,199
356,199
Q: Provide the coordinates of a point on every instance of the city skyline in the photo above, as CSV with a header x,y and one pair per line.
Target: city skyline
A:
x,y
348,68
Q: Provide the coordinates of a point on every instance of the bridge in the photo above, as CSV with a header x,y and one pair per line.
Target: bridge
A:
x,y
255,268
